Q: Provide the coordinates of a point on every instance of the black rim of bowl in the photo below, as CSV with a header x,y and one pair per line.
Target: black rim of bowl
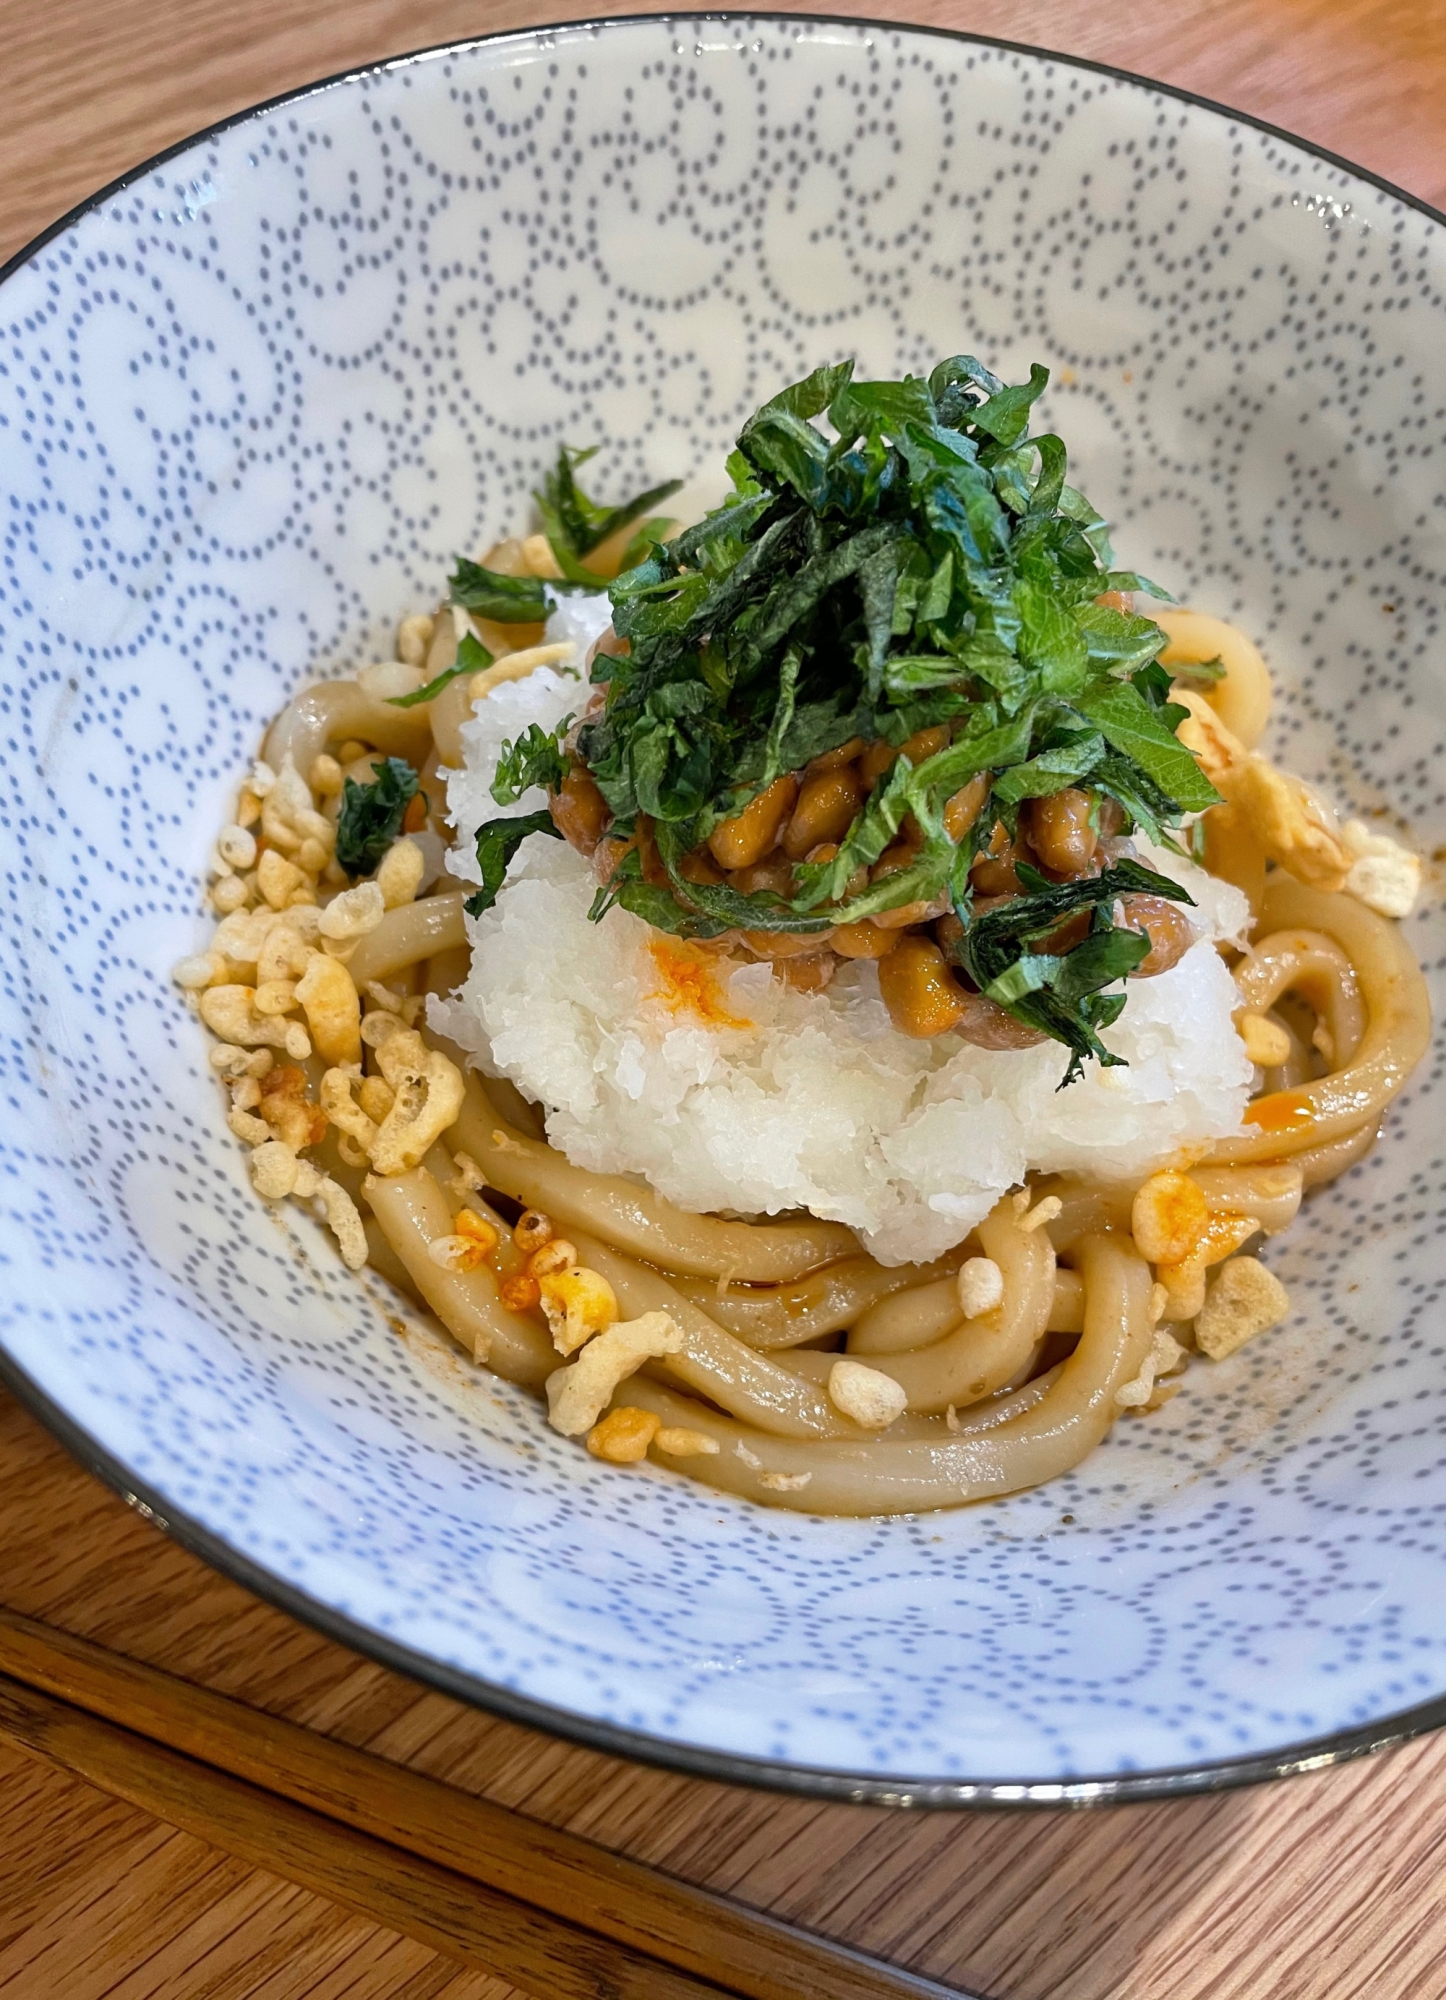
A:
x,y
854,1787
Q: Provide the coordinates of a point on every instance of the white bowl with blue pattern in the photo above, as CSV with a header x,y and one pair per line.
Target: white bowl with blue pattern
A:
x,y
253,400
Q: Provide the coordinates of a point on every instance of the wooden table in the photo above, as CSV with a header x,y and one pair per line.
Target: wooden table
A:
x,y
1327,1886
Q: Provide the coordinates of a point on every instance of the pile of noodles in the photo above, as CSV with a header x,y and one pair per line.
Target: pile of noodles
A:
x,y
764,1309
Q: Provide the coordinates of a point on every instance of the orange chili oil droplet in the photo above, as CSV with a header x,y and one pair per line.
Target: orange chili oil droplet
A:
x,y
1282,1111
689,984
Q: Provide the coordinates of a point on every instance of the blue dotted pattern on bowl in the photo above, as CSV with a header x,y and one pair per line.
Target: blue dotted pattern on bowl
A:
x,y
253,403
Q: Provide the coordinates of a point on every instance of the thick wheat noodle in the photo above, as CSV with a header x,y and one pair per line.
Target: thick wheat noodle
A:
x,y
816,1364
1323,1163
332,711
408,935
1398,1030
1242,698
381,1257
1087,1208
832,1299
413,1212
430,778
1270,1193
457,702
1297,1067
635,1219
643,1392
449,711
716,1363
982,1354
1316,968
453,706
1066,1308
384,1261
445,971
1233,853
1050,1433
685,1413
908,1320
515,1108
1012,1403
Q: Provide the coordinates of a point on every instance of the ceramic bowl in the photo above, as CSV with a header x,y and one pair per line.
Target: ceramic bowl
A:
x,y
254,398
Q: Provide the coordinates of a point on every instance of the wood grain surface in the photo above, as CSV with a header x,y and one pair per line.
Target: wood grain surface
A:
x,y
1326,1887
554,1911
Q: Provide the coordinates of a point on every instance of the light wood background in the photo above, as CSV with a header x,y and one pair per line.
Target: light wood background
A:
x,y
1326,1887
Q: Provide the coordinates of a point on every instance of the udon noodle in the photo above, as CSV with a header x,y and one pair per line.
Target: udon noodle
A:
x,y
775,1358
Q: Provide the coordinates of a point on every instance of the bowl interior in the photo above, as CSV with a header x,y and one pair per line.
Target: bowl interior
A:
x,y
254,401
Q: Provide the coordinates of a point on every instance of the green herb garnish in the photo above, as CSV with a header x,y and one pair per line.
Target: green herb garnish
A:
x,y
371,815
472,658
575,526
497,842
431,690
506,600
1202,670
922,562
536,758
1062,994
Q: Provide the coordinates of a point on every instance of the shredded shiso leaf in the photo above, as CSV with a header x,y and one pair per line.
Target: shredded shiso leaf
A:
x,y
371,815
575,528
497,842
472,658
921,562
